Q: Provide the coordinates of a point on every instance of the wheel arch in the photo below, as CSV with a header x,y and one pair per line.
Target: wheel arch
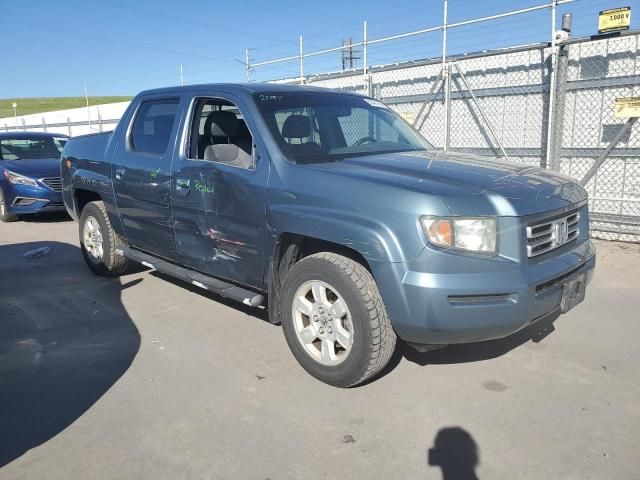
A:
x,y
289,248
83,196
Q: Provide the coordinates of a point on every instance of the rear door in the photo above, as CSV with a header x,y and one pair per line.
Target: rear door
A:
x,y
141,175
219,200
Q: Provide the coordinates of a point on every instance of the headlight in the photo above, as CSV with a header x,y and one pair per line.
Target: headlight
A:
x,y
17,179
471,234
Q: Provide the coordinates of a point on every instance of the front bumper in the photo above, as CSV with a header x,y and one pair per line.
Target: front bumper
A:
x,y
463,308
467,298
25,199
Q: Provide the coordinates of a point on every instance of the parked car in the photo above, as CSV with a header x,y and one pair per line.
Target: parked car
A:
x,y
30,173
330,208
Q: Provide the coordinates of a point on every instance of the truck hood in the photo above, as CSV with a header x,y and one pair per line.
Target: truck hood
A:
x,y
33,168
467,184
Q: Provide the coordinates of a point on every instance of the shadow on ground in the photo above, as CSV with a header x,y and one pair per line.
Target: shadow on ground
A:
x,y
471,352
456,453
46,217
65,339
259,313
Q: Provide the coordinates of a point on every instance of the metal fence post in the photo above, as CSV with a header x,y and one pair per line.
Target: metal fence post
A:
x,y
247,65
301,61
556,113
69,125
24,125
446,76
552,86
447,106
44,124
367,88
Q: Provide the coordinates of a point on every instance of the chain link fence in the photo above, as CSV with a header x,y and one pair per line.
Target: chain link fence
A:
x,y
507,104
531,105
596,146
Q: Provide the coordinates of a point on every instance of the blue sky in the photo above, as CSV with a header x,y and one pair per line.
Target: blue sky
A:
x,y
118,47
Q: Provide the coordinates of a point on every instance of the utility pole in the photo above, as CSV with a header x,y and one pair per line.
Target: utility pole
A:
x,y
350,57
181,76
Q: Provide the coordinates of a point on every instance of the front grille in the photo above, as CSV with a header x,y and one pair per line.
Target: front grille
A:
x,y
547,235
54,183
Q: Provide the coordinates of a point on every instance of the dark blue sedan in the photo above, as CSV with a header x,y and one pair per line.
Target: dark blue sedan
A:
x,y
30,173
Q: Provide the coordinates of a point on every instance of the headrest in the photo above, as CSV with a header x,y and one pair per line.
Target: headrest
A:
x,y
296,126
221,124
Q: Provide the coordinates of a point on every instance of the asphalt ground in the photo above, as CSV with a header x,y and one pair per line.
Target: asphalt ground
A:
x,y
143,377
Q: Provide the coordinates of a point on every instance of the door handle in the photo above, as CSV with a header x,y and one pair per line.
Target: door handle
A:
x,y
183,185
119,173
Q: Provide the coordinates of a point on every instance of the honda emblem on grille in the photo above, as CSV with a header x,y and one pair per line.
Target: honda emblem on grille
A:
x,y
562,232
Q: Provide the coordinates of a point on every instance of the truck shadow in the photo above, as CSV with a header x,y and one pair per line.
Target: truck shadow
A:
x,y
65,339
475,352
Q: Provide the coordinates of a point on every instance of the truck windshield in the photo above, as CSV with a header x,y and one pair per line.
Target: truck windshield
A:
x,y
312,127
31,148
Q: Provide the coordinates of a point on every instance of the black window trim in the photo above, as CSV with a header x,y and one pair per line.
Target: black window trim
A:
x,y
130,148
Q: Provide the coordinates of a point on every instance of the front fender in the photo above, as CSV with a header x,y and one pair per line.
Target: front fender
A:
x,y
372,239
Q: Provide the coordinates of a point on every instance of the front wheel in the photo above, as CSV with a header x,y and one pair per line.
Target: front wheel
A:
x,y
334,320
99,242
5,216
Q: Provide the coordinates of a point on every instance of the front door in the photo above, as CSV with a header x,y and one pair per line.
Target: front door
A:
x,y
141,176
219,194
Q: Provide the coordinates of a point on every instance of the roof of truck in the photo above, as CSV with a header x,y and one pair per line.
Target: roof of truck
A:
x,y
246,87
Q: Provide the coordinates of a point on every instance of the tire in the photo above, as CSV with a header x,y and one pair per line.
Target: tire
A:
x,y
346,283
100,258
5,216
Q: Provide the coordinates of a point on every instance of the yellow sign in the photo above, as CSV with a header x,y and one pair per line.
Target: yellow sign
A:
x,y
408,116
628,107
614,19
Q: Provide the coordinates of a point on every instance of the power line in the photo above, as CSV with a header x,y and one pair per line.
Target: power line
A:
x,y
193,22
111,40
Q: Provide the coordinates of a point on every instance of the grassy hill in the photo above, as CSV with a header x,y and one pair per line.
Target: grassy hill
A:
x,y
28,106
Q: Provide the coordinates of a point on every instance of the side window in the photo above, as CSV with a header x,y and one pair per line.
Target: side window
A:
x,y
220,134
153,125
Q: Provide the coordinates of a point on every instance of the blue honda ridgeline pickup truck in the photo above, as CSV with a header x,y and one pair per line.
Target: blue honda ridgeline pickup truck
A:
x,y
329,208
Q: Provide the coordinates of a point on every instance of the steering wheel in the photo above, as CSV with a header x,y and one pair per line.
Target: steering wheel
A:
x,y
364,140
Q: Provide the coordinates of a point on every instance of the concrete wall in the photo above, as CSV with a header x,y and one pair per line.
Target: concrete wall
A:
x,y
62,121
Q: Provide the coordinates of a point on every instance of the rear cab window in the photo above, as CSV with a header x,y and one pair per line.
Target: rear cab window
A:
x,y
152,126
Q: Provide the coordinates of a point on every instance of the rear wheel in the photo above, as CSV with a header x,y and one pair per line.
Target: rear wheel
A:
x,y
334,320
99,242
5,216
